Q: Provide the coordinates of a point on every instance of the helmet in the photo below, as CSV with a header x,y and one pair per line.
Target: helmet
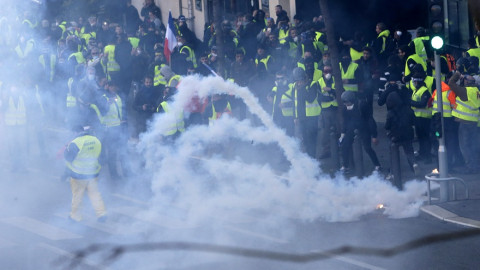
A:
x,y
299,74
348,97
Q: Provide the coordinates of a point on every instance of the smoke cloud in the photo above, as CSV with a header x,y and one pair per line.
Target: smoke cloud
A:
x,y
191,176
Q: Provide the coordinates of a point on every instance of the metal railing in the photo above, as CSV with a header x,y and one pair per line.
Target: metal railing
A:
x,y
436,177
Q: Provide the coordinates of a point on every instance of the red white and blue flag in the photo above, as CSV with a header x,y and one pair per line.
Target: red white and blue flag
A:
x,y
170,39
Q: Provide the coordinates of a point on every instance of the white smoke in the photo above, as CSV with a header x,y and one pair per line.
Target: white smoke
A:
x,y
188,176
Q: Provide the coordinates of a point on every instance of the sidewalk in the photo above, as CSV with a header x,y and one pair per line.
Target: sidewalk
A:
x,y
462,211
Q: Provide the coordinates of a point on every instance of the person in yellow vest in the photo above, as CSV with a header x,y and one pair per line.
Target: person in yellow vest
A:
x,y
454,156
263,58
13,106
81,157
25,50
329,105
380,44
423,115
420,44
411,60
466,112
219,105
177,125
282,103
473,49
306,110
114,122
109,59
351,74
291,43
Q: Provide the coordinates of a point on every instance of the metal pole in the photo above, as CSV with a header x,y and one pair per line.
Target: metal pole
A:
x,y
442,151
395,165
334,149
358,154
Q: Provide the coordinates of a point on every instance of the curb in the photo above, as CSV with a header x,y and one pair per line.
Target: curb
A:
x,y
445,215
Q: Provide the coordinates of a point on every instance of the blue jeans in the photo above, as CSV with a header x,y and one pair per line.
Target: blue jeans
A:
x,y
468,139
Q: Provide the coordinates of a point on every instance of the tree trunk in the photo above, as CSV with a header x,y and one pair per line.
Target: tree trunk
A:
x,y
217,18
334,55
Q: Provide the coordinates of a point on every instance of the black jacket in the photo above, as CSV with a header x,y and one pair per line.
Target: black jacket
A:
x,y
400,119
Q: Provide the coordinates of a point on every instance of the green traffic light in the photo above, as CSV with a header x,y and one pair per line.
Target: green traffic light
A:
x,y
437,42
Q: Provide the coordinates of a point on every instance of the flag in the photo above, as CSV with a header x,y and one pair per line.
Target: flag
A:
x,y
170,39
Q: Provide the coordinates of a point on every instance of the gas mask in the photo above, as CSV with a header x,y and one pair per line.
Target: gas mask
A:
x,y
328,76
350,107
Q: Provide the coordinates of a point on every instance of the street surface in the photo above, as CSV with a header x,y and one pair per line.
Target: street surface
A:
x,y
35,232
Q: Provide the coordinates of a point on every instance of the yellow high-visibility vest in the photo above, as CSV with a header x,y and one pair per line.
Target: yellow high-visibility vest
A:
x,y
113,117
178,126
86,161
16,114
421,112
349,75
328,104
468,110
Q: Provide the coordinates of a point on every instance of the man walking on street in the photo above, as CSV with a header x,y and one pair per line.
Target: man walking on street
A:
x,y
81,156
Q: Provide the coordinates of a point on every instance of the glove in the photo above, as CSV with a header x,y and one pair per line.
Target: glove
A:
x,y
340,140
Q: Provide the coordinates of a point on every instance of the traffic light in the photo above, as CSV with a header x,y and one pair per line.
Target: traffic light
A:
x,y
436,23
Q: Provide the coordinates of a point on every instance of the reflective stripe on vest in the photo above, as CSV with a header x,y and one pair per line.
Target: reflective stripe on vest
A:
x,y
71,100
179,124
355,55
216,115
468,110
191,55
28,49
175,77
112,65
134,42
16,115
327,104
78,56
53,60
97,112
349,75
313,109
420,47
113,117
282,36
417,60
264,61
159,79
384,35
287,102
447,107
421,112
86,161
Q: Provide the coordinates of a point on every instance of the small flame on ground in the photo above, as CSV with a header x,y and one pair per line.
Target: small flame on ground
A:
x,y
380,206
435,170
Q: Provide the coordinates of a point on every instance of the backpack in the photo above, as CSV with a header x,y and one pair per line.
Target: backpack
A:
x,y
450,62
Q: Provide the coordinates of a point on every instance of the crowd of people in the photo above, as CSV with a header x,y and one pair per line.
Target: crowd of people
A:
x,y
114,76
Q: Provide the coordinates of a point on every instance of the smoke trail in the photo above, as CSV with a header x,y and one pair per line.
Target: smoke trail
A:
x,y
215,186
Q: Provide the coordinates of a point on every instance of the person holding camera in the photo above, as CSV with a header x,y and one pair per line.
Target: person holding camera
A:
x,y
466,112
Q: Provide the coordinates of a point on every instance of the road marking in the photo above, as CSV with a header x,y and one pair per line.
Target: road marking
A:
x,y
464,221
126,198
107,227
164,221
40,228
437,211
258,235
357,263
70,255
349,260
